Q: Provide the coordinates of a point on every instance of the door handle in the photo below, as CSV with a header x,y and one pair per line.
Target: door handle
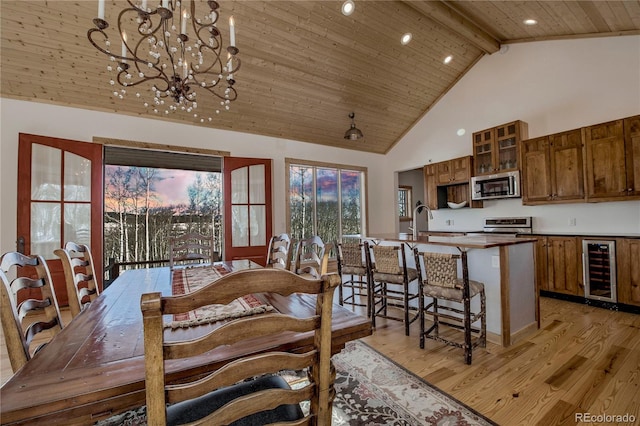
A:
x,y
20,245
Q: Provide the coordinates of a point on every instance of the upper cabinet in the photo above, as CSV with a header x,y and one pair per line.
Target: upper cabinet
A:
x,y
495,150
632,162
591,164
448,181
454,171
552,168
612,159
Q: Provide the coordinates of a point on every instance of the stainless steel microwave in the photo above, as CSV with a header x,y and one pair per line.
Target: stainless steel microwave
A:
x,y
499,185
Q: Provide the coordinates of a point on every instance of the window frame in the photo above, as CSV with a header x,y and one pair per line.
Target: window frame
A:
x,y
340,167
408,202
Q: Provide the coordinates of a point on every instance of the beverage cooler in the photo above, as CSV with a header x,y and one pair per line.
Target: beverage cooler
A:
x,y
599,270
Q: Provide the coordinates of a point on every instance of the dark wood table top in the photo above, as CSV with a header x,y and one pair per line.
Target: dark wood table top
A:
x,y
94,367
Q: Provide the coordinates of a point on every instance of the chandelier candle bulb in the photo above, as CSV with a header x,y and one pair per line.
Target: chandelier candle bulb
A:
x,y
232,31
101,9
124,45
165,4
144,5
184,22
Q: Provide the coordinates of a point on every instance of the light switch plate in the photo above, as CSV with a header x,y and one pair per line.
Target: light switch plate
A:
x,y
495,261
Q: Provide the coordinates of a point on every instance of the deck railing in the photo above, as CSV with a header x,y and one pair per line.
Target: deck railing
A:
x,y
113,268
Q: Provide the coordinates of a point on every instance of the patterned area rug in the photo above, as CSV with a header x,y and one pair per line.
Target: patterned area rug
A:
x,y
190,279
372,390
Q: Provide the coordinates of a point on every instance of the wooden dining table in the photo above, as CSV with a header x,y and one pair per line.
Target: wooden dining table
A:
x,y
94,368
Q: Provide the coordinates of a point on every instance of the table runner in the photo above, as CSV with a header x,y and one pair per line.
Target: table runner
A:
x,y
187,280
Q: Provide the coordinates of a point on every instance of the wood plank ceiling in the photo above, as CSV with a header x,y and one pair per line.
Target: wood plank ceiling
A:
x,y
305,66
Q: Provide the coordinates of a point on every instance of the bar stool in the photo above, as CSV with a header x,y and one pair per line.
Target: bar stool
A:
x,y
389,270
352,263
439,280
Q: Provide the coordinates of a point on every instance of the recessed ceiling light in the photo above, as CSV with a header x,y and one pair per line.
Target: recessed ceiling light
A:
x,y
448,59
406,38
530,22
461,132
348,7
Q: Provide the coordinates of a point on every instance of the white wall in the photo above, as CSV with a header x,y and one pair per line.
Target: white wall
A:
x,y
414,179
553,86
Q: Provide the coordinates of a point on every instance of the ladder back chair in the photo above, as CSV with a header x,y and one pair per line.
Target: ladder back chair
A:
x,y
79,274
191,248
390,281
247,390
352,268
23,321
278,254
440,282
311,258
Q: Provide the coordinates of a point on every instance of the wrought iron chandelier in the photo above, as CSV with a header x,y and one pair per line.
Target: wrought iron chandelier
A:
x,y
178,55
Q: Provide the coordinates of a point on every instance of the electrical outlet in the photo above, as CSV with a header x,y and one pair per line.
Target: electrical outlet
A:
x,y
572,221
495,261
449,222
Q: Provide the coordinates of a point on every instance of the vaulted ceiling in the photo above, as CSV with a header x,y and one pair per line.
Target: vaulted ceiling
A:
x,y
304,65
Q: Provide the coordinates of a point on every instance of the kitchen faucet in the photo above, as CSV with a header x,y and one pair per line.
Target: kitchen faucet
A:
x,y
414,225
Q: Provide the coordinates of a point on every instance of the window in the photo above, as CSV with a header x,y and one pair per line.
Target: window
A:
x,y
327,200
151,196
404,203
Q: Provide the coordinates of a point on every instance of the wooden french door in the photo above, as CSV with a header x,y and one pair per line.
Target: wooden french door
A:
x,y
59,200
247,208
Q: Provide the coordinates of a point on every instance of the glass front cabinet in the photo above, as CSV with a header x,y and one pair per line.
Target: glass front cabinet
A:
x,y
495,150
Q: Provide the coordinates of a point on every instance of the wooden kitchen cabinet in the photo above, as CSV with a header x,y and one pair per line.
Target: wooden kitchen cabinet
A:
x,y
454,171
430,186
628,265
449,181
552,169
495,150
542,264
632,157
564,265
611,160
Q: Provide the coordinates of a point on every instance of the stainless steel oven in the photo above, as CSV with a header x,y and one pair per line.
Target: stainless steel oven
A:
x,y
511,226
506,226
499,185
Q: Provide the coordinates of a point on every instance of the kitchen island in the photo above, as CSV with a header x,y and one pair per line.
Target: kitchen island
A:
x,y
506,267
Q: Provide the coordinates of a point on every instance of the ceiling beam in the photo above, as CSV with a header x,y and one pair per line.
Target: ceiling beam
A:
x,y
444,15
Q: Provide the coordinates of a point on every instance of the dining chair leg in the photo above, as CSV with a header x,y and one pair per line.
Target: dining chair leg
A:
x,y
436,318
406,306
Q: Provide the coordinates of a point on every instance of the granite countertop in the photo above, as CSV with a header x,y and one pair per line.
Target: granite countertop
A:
x,y
463,241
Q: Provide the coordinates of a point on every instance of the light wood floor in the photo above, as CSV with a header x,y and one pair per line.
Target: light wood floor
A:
x,y
583,360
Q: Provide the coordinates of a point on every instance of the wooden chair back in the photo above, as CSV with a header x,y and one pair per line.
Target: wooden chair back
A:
x,y
77,263
191,248
311,257
278,254
19,325
240,331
